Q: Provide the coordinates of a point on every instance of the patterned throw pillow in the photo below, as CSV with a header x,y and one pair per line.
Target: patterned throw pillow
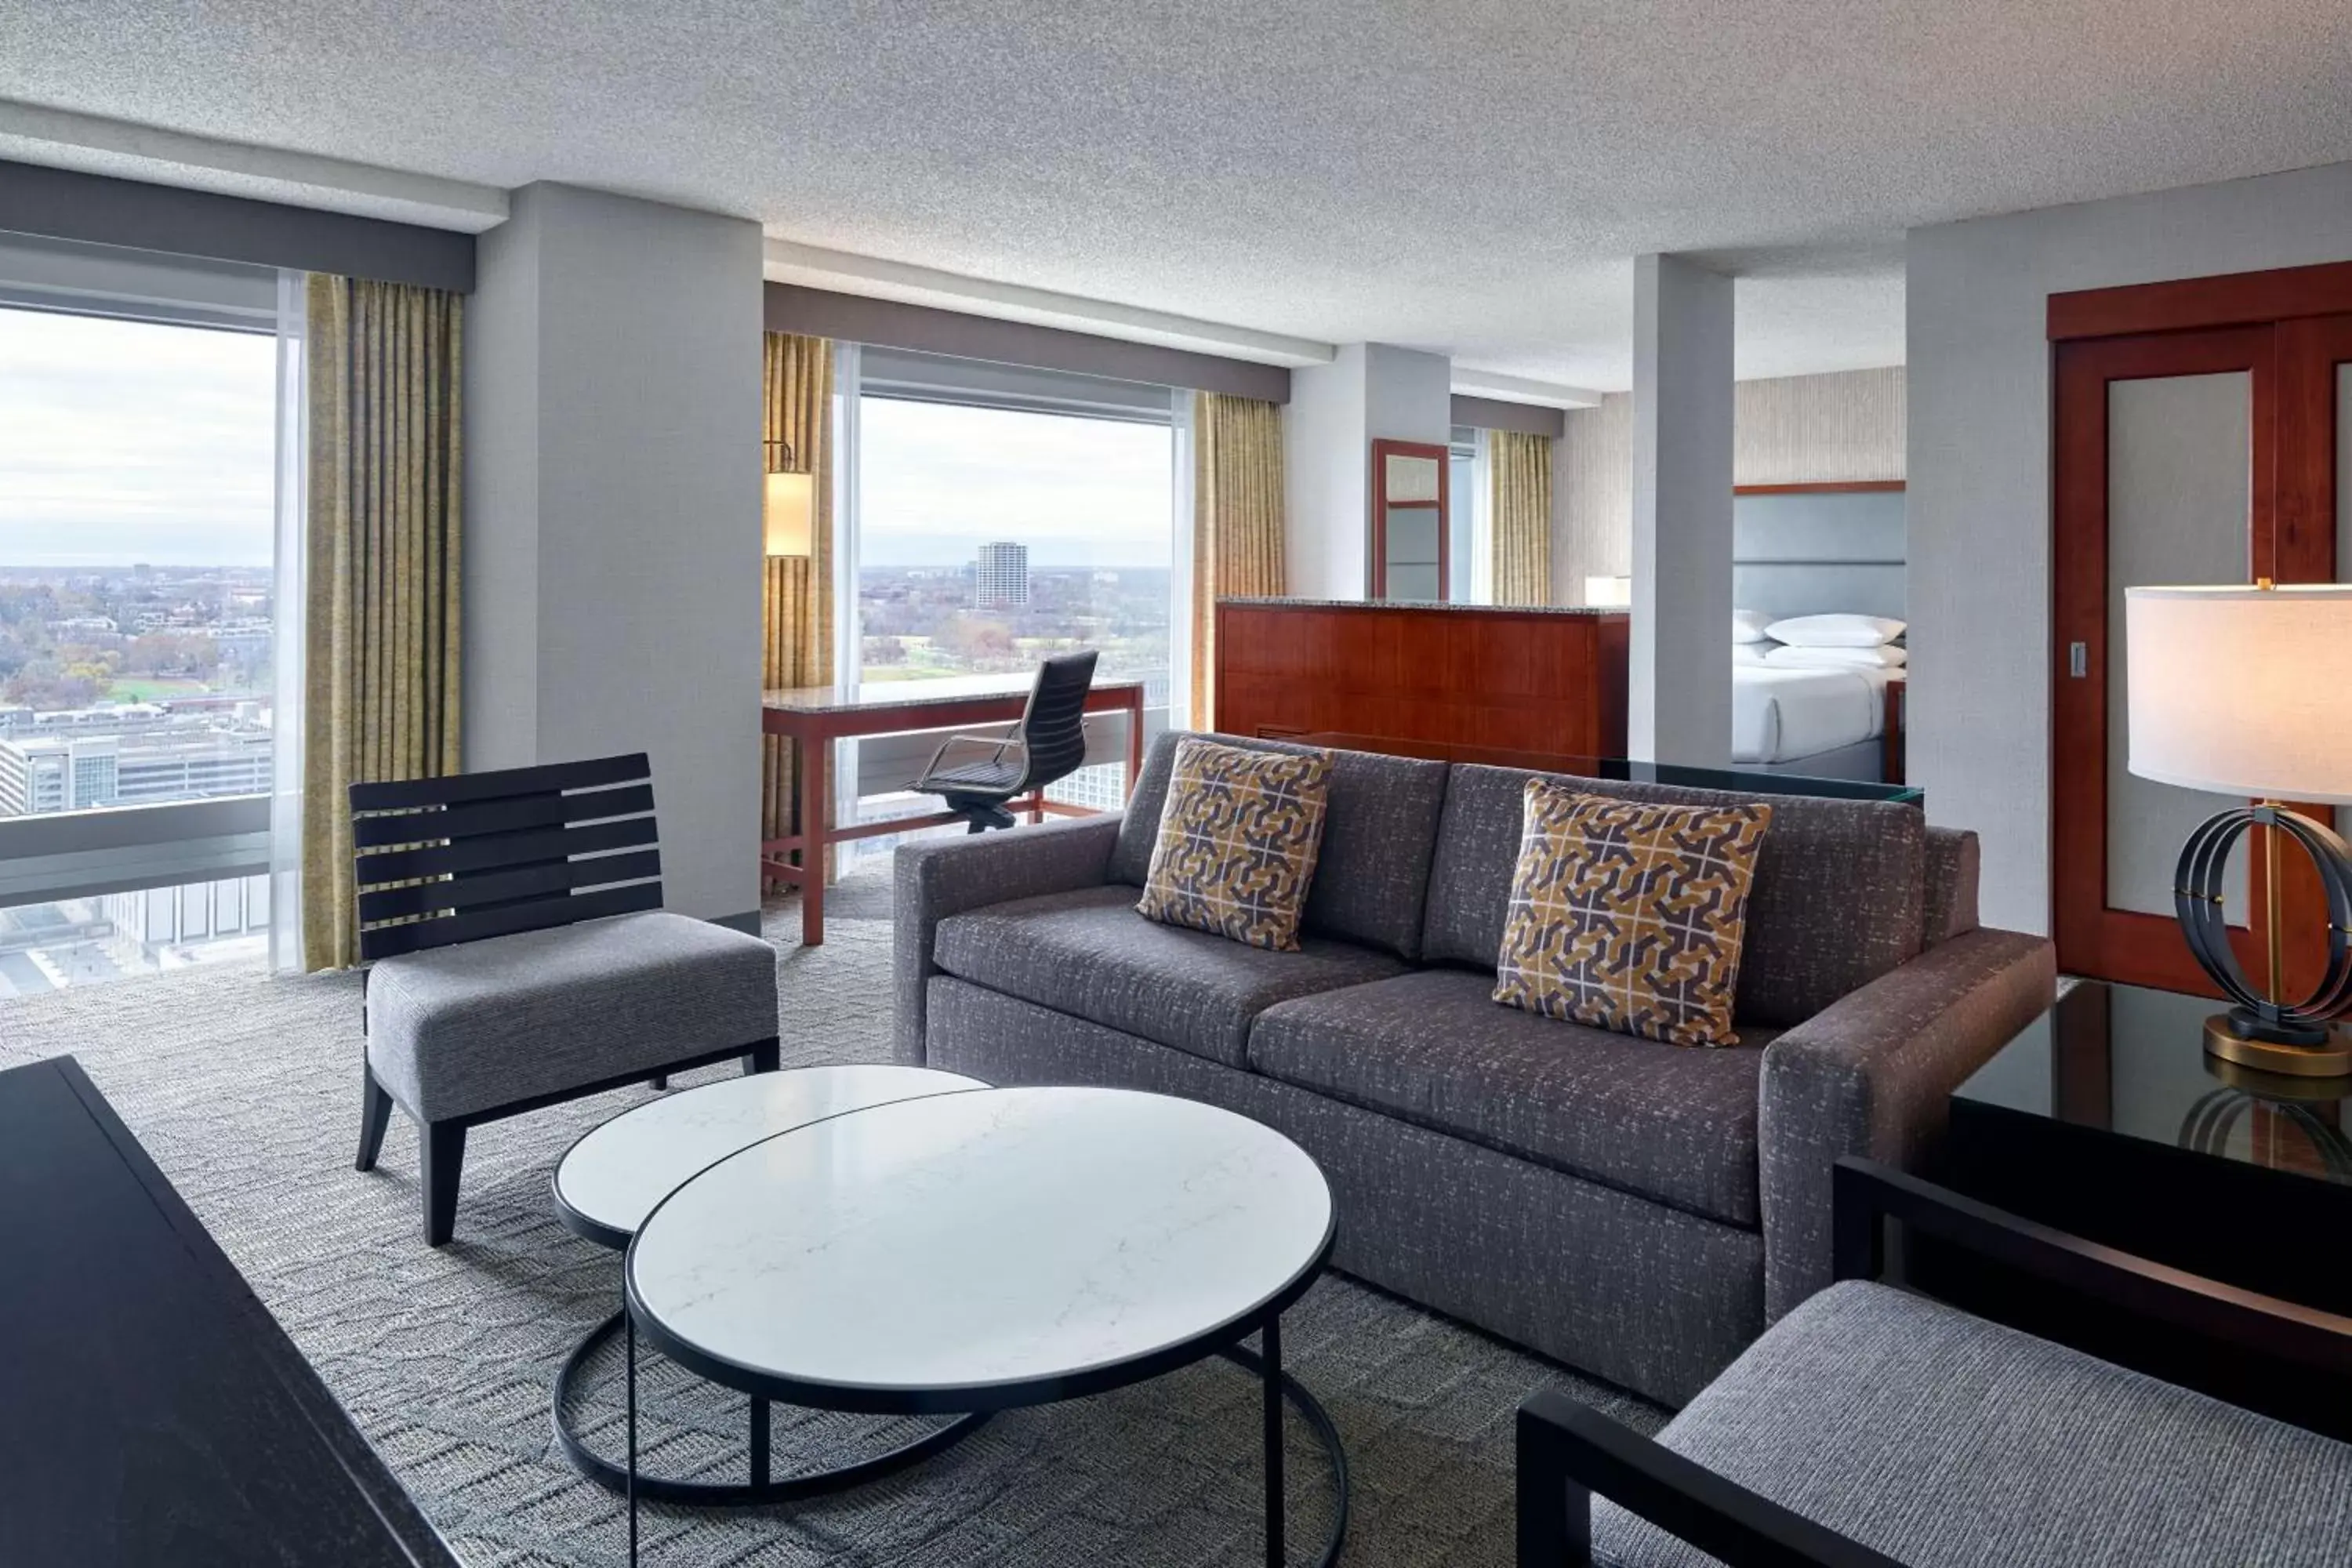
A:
x,y
1630,916
1237,842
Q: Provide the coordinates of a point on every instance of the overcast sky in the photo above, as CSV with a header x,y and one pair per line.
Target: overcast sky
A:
x,y
940,480
123,442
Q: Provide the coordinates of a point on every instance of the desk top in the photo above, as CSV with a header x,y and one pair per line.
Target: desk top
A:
x,y
853,697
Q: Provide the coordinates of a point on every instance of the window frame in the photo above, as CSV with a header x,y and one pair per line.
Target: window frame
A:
x,y
881,765
54,856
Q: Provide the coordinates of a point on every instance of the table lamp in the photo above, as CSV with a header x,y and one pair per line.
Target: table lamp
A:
x,y
2244,691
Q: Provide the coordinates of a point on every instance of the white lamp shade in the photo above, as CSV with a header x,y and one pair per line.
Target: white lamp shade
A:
x,y
1609,592
790,510
2242,690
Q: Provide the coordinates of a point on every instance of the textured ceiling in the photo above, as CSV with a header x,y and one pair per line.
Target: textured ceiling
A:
x,y
1469,176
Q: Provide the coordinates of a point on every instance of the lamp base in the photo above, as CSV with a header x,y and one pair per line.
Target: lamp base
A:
x,y
2329,1057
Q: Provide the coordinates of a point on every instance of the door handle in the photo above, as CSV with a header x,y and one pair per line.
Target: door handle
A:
x,y
2078,659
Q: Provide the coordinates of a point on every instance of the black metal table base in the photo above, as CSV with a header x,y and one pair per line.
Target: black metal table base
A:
x,y
762,1487
629,1482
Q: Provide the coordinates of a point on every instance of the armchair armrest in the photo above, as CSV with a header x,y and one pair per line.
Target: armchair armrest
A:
x,y
1872,1075
1568,1451
937,878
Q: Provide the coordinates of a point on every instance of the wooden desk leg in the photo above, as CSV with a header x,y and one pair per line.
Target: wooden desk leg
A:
x,y
1134,743
817,834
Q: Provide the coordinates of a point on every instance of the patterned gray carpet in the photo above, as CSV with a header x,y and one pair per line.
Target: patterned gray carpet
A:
x,y
244,1088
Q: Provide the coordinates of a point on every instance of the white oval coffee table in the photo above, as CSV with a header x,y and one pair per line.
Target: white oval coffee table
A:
x,y
979,1251
615,1174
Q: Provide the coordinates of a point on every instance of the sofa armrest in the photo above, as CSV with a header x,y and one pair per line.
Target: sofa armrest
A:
x,y
1872,1075
936,878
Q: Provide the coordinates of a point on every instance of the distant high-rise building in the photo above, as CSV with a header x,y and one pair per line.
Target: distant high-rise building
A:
x,y
1000,577
79,772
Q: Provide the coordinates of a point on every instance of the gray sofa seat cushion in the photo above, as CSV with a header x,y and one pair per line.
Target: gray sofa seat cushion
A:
x,y
1945,1441
1839,898
1669,1123
455,1030
1380,828
1087,953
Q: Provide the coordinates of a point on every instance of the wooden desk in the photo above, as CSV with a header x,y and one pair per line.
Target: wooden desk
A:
x,y
814,717
152,1411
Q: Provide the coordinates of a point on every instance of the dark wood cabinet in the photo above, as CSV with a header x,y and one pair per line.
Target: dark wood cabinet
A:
x,y
1535,681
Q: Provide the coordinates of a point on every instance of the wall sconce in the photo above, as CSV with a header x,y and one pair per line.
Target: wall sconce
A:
x,y
788,509
1609,592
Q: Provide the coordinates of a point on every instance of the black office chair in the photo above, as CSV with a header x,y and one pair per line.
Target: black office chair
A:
x,y
1049,744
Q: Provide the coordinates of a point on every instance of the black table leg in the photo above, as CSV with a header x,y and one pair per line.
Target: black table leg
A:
x,y
1270,1352
632,1331
758,1441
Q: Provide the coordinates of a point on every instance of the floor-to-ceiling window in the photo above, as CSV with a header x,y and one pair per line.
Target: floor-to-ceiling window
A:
x,y
138,455
1005,515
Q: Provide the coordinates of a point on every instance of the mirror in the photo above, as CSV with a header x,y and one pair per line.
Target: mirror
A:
x,y
1409,521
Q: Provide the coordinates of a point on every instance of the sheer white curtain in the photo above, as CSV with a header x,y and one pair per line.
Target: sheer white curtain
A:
x,y
1179,557
287,597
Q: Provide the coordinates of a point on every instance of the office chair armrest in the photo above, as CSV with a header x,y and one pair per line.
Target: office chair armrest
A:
x,y
1000,742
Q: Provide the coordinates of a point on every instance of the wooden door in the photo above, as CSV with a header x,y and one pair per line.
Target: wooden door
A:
x,y
2187,453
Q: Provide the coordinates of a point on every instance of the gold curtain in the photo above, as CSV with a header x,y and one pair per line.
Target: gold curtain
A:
x,y
1520,467
798,618
383,366
1237,520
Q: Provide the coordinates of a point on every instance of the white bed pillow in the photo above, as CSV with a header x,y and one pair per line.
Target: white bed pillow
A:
x,y
1838,658
1748,626
1751,652
1836,631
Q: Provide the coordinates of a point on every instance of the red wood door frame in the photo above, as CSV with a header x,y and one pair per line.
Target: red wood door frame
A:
x,y
2094,939
1382,450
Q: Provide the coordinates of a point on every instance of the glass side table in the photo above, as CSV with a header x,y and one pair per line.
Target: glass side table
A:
x,y
2106,1119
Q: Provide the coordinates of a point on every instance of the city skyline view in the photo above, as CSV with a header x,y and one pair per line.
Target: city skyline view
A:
x,y
940,478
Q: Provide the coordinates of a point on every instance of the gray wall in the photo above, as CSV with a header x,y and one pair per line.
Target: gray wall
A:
x,y
1678,700
1324,465
613,491
1979,468
1370,391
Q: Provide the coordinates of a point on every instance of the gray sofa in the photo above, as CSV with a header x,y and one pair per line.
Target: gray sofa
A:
x,y
1635,1209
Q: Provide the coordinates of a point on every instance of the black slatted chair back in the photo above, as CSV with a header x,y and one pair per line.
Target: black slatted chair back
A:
x,y
1052,727
440,861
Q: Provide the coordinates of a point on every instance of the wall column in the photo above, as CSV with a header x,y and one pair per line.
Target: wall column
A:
x,y
1679,665
613,532
1370,391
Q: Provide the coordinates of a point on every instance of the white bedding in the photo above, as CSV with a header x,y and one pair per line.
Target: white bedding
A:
x,y
1781,712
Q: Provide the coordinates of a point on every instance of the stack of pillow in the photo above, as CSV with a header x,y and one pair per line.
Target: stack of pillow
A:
x,y
1833,642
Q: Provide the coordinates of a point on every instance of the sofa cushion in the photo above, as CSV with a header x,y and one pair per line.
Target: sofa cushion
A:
x,y
1628,916
1380,828
1945,1441
1431,1048
1838,901
1238,840
1090,955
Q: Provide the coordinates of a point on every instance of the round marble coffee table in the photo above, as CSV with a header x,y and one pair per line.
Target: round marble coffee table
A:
x,y
613,1177
979,1251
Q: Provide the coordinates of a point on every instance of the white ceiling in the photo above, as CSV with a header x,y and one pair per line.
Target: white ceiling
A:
x,y
1470,175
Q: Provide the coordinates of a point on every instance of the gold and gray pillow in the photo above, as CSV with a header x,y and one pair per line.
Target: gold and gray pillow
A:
x,y
1630,916
1237,843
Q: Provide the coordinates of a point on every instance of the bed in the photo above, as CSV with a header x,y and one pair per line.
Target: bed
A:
x,y
1803,550
1824,723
